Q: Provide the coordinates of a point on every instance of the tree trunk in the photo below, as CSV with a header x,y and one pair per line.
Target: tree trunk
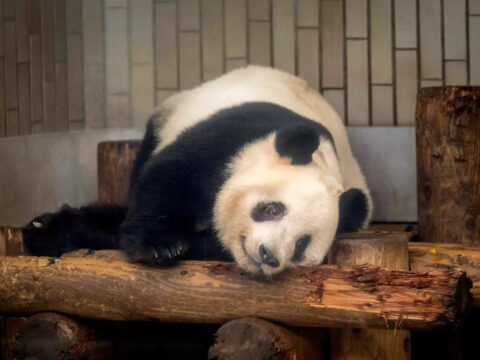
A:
x,y
215,292
115,162
252,338
448,164
386,250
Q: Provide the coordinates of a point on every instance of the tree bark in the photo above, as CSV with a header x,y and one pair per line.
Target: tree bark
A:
x,y
386,250
90,286
448,164
252,338
115,162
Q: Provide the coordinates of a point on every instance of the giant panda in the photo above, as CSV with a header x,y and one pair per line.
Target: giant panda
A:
x,y
256,158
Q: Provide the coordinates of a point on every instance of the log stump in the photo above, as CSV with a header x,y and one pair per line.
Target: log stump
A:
x,y
115,163
387,250
252,338
448,164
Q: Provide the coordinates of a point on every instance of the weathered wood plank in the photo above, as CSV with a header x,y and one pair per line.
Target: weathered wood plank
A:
x,y
213,292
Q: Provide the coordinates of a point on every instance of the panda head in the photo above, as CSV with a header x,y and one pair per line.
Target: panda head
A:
x,y
279,207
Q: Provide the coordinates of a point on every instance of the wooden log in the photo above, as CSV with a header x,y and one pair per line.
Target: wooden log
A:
x,y
115,162
216,292
54,336
448,164
431,256
11,242
387,250
252,338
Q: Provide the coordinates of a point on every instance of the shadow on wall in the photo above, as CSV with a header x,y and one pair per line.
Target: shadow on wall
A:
x,y
40,173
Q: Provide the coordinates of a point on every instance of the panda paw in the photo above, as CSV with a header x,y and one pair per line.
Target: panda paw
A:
x,y
156,254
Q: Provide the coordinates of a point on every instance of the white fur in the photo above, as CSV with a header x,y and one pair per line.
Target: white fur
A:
x,y
259,174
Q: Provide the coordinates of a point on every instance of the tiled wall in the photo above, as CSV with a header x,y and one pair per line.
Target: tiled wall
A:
x,y
73,64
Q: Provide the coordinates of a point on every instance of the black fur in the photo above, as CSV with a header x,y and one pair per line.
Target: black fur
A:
x,y
298,142
353,210
94,226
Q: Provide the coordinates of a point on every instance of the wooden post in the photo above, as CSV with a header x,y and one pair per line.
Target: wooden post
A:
x,y
252,338
115,162
56,337
390,251
448,164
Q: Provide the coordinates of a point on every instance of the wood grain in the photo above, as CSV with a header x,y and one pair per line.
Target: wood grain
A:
x,y
448,164
115,162
102,285
387,250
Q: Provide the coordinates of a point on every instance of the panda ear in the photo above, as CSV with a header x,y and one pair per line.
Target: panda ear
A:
x,y
352,210
297,142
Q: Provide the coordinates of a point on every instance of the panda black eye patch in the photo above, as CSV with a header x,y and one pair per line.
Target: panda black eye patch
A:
x,y
268,211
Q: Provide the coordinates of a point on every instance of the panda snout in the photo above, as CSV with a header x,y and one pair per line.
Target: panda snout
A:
x,y
267,257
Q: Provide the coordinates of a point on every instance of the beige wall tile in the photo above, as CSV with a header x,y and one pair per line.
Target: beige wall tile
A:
x,y
118,111
235,28
474,50
166,45
162,95
381,41
258,9
116,3
190,73
189,14
336,98
143,96
382,105
13,128
92,16
456,73
405,23
308,56
212,39
430,39
307,13
356,18
474,7
357,83
428,83
116,49
284,35
332,43
11,93
406,80
94,96
75,79
259,43
455,33
141,30
232,64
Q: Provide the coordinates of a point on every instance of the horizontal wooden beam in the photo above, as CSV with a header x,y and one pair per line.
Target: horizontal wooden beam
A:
x,y
103,285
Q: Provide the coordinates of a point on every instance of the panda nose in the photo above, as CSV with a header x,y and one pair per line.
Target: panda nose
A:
x,y
267,257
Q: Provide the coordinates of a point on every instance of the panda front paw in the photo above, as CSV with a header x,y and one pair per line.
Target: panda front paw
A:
x,y
153,253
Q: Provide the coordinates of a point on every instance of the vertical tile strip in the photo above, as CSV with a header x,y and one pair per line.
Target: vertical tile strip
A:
x,y
3,119
283,19
236,28
189,14
332,44
356,18
36,65
60,34
212,38
406,80
357,79
94,63
23,57
76,116
405,24
48,53
455,29
430,39
474,35
308,56
11,79
141,54
190,72
259,43
381,41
